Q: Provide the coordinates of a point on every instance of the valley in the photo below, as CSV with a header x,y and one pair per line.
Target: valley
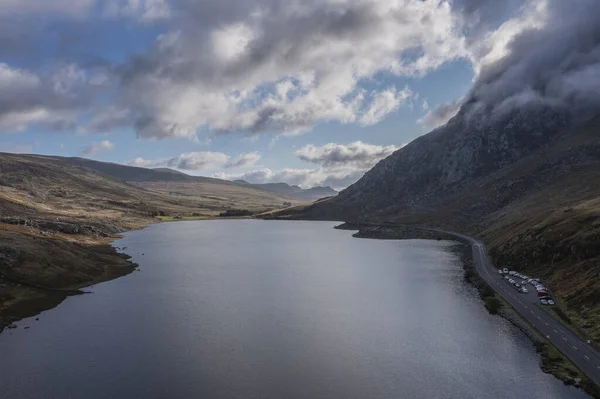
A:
x,y
58,218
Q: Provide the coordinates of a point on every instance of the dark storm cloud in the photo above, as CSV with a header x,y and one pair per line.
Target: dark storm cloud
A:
x,y
557,65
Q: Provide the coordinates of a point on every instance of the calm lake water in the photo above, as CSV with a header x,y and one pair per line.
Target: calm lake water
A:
x,y
264,309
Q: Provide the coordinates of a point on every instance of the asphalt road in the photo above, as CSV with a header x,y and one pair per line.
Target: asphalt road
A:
x,y
580,353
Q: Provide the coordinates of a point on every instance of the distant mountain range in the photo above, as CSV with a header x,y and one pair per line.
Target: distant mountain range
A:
x,y
137,174
309,194
146,177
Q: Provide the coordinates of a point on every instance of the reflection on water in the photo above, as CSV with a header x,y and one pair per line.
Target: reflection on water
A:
x,y
257,309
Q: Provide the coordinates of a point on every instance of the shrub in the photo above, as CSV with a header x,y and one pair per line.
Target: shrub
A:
x,y
492,304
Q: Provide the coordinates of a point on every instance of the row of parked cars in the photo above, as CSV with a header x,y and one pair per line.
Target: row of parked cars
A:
x,y
519,281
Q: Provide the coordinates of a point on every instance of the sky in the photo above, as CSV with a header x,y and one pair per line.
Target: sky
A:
x,y
307,92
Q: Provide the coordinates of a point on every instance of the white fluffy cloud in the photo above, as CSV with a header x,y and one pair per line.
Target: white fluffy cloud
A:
x,y
339,166
93,148
244,160
285,66
199,161
51,99
357,153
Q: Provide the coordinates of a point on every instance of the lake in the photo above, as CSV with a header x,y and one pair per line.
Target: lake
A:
x,y
272,309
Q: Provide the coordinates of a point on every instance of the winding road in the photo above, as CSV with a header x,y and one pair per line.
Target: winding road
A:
x,y
580,353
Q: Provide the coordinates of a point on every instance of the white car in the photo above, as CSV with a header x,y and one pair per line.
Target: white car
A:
x,y
524,290
518,285
511,273
500,271
505,270
543,301
550,301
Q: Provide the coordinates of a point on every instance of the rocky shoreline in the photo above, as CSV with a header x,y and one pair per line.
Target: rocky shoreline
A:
x,y
392,232
40,269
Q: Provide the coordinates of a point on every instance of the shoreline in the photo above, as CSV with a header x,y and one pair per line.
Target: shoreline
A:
x,y
21,298
551,360
29,299
37,299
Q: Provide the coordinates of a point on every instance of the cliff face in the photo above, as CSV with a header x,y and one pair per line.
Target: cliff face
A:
x,y
427,172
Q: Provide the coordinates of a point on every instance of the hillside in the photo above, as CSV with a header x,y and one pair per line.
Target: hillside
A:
x,y
526,184
206,192
137,174
309,194
58,218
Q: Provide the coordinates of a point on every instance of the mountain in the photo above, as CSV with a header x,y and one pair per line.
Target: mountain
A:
x,y
525,182
310,194
207,192
137,174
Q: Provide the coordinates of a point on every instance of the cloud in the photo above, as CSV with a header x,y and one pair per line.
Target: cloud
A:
x,y
244,160
107,119
283,66
15,8
218,66
549,55
305,178
145,10
93,148
51,99
361,154
339,166
200,161
382,104
441,114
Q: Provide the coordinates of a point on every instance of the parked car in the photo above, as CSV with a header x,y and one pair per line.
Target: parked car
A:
x,y
543,301
518,285
505,270
548,299
506,277
523,282
542,293
512,273
500,271
524,290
